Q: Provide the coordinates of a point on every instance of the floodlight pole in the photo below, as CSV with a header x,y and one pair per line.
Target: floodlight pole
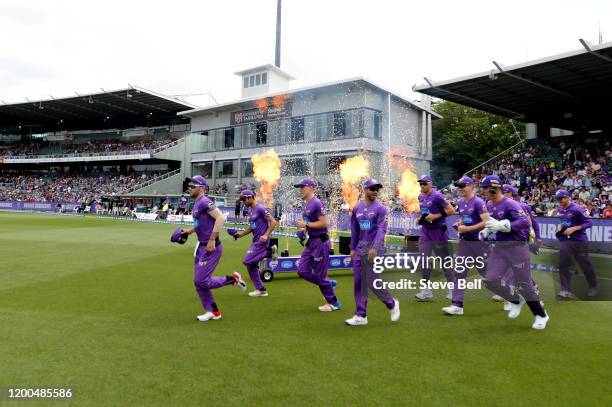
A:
x,y
278,34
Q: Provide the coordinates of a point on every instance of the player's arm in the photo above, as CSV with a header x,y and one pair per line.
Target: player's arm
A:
x,y
244,232
216,214
272,223
477,227
582,222
447,210
321,223
518,221
381,230
535,225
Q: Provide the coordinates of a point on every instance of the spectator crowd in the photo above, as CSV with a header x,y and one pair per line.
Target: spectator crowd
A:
x,y
578,164
112,147
63,187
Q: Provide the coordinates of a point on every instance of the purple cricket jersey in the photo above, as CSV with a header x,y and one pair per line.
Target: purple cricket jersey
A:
x,y
312,210
511,210
258,220
532,217
434,203
368,227
469,212
203,222
575,215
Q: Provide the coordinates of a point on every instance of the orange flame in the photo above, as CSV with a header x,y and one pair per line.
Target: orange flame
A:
x,y
352,171
266,170
408,188
262,104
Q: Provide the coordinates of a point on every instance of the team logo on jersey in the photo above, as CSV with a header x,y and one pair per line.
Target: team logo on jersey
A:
x,y
211,206
522,213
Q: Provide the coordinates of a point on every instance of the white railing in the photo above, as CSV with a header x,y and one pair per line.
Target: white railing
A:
x,y
152,181
168,145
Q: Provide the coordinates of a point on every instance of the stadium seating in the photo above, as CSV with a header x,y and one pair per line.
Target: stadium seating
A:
x,y
54,187
538,169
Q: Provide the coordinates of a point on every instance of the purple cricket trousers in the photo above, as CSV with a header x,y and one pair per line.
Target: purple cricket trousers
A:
x,y
364,277
313,267
204,265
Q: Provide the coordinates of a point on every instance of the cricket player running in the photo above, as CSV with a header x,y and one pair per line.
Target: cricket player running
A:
x,y
535,242
261,225
508,227
473,216
433,236
573,243
208,222
315,258
368,229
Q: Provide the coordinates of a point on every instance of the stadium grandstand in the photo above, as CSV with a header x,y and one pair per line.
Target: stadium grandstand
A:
x,y
563,100
93,147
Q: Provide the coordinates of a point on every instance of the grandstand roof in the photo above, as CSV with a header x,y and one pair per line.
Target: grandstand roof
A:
x,y
124,108
569,91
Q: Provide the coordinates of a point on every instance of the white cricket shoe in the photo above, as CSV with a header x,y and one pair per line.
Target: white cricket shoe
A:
x,y
515,309
356,320
424,295
395,311
566,295
207,316
330,307
453,310
240,283
258,293
497,298
540,322
507,305
449,296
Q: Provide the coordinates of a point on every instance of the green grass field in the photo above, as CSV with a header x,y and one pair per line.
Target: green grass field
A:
x,y
108,308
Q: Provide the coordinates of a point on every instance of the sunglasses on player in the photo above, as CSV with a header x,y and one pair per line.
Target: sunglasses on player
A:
x,y
423,183
374,189
460,185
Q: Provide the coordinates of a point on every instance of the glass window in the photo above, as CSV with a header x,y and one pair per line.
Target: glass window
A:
x,y
258,79
339,125
264,78
297,130
377,125
247,167
294,167
252,80
203,169
245,82
262,133
225,169
228,141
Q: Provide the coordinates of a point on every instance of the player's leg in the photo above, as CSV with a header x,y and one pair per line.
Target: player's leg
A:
x,y
205,263
497,268
465,249
581,254
566,253
383,294
320,266
526,287
425,250
361,294
256,253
